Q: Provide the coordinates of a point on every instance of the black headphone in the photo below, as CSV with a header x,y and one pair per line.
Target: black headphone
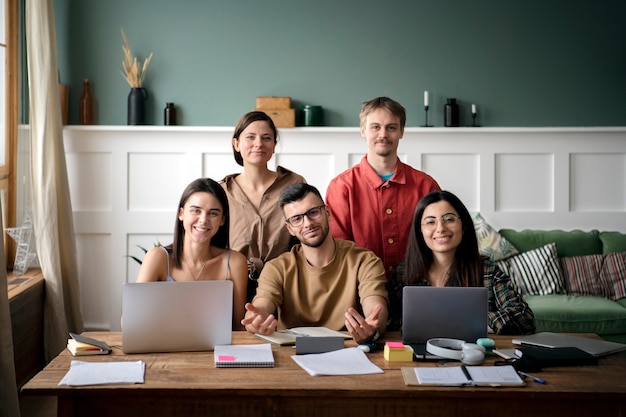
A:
x,y
468,353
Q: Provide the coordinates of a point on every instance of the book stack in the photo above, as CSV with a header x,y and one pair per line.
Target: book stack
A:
x,y
81,345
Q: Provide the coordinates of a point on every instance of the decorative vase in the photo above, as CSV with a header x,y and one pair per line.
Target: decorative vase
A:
x,y
312,115
86,105
64,93
451,113
137,106
169,114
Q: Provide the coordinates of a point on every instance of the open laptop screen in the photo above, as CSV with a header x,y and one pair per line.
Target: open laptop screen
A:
x,y
449,312
176,316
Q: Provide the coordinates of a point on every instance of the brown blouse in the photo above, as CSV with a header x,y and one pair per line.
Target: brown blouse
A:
x,y
260,235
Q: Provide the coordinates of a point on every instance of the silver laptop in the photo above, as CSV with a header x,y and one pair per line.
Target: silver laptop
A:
x,y
176,316
594,347
449,312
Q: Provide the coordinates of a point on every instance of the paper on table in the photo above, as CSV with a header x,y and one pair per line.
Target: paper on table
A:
x,y
99,373
350,361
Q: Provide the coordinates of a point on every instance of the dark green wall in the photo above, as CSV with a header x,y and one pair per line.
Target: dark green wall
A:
x,y
531,63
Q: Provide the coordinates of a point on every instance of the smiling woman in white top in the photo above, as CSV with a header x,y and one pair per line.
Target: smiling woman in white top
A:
x,y
200,249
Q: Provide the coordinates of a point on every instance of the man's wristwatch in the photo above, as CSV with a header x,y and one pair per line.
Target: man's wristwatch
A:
x,y
375,336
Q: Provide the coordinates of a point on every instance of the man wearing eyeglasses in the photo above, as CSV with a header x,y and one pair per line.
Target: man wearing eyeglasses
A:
x,y
322,281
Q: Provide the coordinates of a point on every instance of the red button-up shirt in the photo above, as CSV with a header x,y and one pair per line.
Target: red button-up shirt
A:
x,y
374,213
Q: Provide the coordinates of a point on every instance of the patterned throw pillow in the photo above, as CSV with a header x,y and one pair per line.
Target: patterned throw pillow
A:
x,y
582,275
491,243
613,275
599,275
535,272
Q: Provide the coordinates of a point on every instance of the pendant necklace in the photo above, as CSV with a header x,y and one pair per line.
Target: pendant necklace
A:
x,y
195,277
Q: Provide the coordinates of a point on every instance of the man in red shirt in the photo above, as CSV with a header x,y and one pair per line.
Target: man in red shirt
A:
x,y
373,202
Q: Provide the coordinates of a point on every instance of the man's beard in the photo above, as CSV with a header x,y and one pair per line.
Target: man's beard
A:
x,y
317,241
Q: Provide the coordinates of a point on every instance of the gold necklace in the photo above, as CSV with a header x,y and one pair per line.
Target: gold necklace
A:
x,y
195,277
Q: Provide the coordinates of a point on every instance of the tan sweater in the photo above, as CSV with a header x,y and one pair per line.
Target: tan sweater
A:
x,y
308,296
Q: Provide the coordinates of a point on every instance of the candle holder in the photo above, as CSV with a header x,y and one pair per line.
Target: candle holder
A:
x,y
426,117
474,120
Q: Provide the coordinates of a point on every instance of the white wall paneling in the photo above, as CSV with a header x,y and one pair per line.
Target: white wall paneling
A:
x,y
125,183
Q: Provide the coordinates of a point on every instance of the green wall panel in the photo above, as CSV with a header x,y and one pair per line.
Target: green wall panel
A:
x,y
532,63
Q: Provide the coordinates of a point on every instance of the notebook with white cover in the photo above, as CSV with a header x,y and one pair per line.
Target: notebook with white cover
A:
x,y
595,347
244,356
448,312
176,316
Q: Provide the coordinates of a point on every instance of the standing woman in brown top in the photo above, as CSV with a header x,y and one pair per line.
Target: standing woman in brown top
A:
x,y
257,225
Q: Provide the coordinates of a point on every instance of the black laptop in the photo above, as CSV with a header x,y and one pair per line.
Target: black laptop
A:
x,y
448,312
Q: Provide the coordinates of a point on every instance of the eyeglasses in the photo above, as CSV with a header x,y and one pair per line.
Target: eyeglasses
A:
x,y
313,214
447,220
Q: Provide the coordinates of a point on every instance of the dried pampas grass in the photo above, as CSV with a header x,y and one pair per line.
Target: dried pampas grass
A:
x,y
133,73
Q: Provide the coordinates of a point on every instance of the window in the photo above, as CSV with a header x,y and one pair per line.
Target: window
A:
x,y
9,105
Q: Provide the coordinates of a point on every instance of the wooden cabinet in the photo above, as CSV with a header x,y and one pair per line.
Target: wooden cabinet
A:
x,y
26,298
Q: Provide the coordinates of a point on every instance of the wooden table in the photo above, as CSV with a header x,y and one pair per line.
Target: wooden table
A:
x,y
188,384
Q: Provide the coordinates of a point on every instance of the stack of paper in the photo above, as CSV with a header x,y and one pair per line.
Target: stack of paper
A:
x,y
350,361
98,373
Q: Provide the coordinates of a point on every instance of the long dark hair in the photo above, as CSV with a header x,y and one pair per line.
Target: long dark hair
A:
x,y
220,240
465,271
244,122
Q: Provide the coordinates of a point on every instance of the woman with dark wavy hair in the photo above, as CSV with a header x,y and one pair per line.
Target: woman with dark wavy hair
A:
x,y
200,248
443,251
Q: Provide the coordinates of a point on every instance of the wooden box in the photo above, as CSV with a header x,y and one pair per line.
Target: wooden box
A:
x,y
282,117
273,102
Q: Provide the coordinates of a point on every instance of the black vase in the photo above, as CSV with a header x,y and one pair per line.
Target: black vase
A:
x,y
137,106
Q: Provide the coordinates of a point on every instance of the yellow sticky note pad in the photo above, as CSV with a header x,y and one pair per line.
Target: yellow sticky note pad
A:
x,y
398,355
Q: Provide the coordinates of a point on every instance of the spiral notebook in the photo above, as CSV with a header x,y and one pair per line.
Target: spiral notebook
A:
x,y
244,356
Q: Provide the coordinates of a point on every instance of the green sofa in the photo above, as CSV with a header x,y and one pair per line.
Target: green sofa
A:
x,y
572,313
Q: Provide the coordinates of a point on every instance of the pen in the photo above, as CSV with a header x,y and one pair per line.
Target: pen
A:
x,y
467,375
534,378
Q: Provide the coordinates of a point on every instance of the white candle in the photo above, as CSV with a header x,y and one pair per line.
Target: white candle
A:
x,y
425,98
473,109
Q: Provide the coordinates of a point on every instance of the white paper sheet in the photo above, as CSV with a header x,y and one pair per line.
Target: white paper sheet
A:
x,y
349,361
99,373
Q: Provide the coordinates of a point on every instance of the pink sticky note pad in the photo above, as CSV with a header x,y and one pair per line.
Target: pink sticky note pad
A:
x,y
226,358
395,345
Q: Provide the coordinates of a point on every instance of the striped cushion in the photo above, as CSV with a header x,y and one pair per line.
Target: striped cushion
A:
x,y
599,275
582,275
491,243
613,275
535,272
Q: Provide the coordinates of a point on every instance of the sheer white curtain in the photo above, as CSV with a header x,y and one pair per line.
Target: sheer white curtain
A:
x,y
9,404
52,208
